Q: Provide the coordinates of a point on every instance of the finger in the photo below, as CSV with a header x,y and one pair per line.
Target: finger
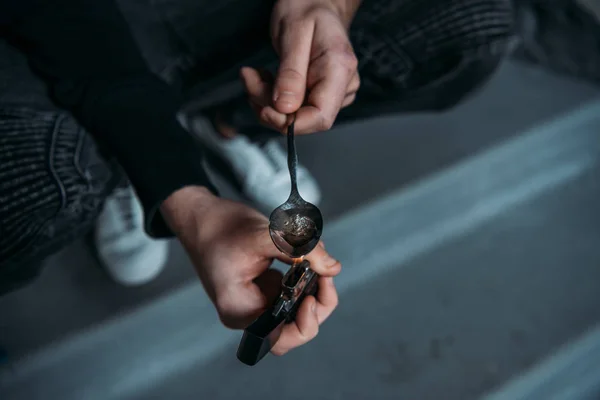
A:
x,y
328,78
354,84
323,263
327,95
270,118
258,90
324,101
302,330
351,91
327,298
294,47
349,99
320,261
273,119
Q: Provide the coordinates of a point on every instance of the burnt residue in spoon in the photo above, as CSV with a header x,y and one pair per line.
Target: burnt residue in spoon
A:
x,y
297,229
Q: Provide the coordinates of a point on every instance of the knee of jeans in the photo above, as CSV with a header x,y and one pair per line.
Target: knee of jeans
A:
x,y
437,54
464,25
464,44
428,92
470,73
480,23
55,189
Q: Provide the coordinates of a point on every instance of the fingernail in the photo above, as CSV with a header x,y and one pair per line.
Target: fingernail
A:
x,y
285,98
275,95
313,308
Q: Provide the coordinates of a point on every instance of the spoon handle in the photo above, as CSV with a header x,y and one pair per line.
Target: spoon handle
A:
x,y
292,156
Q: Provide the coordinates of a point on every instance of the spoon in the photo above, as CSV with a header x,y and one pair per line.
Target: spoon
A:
x,y
296,225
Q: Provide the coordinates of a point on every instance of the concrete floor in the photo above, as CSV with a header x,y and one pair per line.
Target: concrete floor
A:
x,y
461,336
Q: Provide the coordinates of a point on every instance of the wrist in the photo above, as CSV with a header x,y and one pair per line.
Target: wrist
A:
x,y
184,206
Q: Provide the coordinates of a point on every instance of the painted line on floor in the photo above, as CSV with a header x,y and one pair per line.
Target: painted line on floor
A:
x,y
572,373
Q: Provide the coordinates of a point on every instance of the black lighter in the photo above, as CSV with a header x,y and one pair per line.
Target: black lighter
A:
x,y
300,281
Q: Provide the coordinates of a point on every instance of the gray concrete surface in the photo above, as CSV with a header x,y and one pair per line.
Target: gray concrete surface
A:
x,y
442,323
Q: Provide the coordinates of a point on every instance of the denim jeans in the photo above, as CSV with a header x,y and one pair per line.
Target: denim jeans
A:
x,y
414,55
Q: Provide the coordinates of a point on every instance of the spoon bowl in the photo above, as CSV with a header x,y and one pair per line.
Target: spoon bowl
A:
x,y
296,225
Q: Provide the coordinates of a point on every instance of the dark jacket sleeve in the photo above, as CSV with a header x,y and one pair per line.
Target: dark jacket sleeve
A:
x,y
86,53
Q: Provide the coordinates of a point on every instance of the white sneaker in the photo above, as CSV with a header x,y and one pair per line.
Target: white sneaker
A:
x,y
262,172
129,256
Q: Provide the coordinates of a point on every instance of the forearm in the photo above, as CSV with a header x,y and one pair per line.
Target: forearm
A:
x,y
182,208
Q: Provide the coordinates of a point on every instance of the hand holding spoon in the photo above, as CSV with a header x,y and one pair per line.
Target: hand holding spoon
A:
x,y
296,225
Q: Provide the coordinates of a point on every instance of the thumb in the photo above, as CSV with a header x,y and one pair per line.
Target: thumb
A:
x,y
294,47
322,262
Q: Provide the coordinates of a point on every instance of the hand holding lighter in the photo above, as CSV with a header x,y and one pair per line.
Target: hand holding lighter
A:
x,y
258,339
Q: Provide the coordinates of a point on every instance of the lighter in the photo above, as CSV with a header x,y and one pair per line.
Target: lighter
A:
x,y
258,339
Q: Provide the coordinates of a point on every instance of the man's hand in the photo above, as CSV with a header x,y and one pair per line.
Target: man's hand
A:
x,y
232,251
318,73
